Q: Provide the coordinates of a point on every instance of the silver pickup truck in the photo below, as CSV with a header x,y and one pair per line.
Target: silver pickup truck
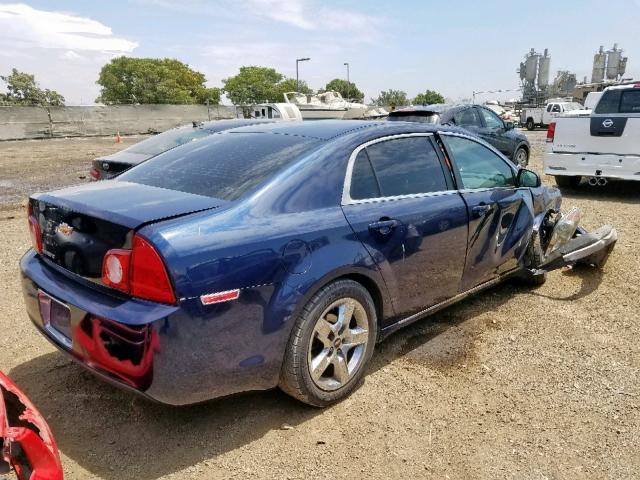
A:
x,y
599,146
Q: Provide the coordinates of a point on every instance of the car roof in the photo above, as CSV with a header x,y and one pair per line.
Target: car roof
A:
x,y
332,129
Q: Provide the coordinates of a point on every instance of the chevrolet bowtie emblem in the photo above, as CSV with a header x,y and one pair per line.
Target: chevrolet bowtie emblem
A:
x,y
65,229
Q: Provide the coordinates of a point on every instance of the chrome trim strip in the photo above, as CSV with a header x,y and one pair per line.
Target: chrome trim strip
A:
x,y
439,306
346,188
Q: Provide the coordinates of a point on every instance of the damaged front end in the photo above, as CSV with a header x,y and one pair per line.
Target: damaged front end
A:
x,y
26,445
559,241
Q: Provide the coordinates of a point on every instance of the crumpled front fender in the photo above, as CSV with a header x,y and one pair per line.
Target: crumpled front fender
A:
x,y
26,443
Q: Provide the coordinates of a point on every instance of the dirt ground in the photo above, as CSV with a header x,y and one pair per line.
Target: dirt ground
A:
x,y
515,383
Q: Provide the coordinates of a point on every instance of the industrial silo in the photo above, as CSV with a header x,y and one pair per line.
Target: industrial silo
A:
x,y
623,66
531,66
613,62
599,61
543,70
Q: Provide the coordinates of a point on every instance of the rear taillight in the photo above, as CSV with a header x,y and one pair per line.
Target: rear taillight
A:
x,y
139,271
94,173
115,269
551,132
34,230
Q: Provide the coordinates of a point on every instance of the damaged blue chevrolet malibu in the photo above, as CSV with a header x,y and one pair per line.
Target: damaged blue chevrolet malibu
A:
x,y
279,254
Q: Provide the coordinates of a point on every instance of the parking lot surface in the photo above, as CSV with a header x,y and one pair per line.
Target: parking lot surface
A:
x,y
514,383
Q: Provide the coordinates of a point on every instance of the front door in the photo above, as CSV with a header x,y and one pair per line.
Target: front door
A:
x,y
400,202
500,214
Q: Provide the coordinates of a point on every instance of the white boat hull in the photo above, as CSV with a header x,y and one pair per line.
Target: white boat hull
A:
x,y
321,113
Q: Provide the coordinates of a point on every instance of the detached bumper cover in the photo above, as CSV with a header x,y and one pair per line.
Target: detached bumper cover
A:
x,y
26,443
586,248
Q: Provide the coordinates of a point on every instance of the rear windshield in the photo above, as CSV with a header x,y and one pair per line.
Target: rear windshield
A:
x,y
223,165
413,117
619,101
168,140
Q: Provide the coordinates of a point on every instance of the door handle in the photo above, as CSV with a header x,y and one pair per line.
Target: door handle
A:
x,y
384,226
481,210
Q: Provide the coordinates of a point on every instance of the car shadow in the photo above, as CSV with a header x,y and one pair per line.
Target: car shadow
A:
x,y
591,279
115,435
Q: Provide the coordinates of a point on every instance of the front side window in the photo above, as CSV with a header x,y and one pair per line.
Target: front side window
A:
x,y
467,118
394,167
491,120
479,167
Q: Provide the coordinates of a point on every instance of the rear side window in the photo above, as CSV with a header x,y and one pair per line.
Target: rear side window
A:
x,y
224,165
479,167
402,166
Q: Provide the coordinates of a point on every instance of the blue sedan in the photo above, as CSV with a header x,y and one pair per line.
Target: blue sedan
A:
x,y
279,254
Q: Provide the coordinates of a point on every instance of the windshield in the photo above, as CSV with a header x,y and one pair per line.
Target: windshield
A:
x,y
223,166
168,140
430,117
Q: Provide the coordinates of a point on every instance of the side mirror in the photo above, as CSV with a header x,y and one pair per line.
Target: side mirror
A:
x,y
527,178
508,126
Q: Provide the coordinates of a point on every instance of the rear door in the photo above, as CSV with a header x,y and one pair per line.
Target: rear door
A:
x,y
500,214
469,118
400,200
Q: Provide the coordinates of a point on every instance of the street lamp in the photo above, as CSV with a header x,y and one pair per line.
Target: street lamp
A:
x,y
348,81
298,60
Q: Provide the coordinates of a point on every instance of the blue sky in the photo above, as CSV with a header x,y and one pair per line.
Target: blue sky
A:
x,y
452,47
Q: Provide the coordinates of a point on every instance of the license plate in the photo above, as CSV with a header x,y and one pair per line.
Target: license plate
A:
x,y
55,315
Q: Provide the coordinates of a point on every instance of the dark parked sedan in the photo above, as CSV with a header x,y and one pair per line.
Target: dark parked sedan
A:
x,y
111,166
477,119
279,254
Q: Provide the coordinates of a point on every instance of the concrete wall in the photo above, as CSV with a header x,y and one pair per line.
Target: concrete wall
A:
x,y
18,123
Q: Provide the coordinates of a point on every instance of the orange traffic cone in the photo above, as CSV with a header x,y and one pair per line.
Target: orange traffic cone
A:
x,y
118,137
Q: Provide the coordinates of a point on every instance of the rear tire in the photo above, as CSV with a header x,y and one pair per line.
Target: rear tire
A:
x,y
567,182
530,125
330,345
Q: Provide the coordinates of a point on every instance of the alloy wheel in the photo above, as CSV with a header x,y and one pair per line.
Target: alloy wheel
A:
x,y
338,344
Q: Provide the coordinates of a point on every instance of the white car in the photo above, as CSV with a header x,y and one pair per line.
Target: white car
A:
x,y
601,146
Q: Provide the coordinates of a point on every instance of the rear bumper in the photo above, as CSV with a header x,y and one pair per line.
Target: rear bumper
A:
x,y
175,355
623,167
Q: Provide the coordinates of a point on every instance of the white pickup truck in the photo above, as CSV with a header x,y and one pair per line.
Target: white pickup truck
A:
x,y
600,146
543,116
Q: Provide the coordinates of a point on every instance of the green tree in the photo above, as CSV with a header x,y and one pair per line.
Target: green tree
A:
x,y
253,85
429,97
22,89
290,85
348,90
153,80
391,98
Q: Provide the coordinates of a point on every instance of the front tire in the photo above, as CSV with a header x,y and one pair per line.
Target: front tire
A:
x,y
521,157
330,345
567,182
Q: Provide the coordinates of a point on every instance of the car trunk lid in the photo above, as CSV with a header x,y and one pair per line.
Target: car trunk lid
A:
x,y
78,225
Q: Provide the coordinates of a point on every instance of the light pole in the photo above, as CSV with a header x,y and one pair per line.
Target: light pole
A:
x,y
298,60
348,81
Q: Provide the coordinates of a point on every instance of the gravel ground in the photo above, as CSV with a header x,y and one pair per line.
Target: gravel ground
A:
x,y
515,383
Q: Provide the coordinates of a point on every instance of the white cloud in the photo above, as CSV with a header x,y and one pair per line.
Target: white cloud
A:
x,y
22,25
304,14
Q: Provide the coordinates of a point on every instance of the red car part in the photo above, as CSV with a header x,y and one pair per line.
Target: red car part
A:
x,y
26,443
